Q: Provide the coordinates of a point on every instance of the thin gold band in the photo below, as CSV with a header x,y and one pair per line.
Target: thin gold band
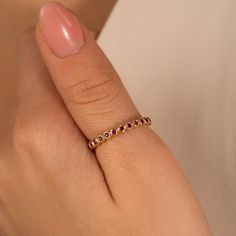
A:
x,y
102,138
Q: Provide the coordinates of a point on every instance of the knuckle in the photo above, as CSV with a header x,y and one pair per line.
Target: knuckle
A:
x,y
20,137
32,124
101,89
24,136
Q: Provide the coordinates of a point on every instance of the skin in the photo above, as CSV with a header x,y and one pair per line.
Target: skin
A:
x,y
52,184
21,15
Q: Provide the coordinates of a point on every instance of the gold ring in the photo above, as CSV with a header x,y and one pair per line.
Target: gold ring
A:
x,y
102,138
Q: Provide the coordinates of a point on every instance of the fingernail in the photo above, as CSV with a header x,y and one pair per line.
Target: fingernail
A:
x,y
61,29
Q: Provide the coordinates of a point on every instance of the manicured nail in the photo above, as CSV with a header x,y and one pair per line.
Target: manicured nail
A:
x,y
61,29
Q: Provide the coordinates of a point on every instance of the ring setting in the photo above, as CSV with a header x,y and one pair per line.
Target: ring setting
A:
x,y
102,138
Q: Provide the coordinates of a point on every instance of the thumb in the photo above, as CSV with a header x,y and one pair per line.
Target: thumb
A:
x,y
89,85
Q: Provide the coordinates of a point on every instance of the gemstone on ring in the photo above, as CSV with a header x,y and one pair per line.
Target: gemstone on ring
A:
x,y
143,121
91,144
100,138
113,132
129,125
122,128
107,135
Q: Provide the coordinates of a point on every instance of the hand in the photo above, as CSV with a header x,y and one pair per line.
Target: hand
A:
x,y
50,182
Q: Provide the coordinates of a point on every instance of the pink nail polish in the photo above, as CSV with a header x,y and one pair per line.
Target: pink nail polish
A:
x,y
61,29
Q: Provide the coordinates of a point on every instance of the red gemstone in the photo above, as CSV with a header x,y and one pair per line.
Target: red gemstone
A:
x,y
113,132
100,138
106,135
136,122
129,125
122,128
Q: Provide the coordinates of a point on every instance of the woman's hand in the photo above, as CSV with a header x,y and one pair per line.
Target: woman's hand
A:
x,y
50,182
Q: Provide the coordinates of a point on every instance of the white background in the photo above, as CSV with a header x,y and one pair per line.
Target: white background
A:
x,y
178,61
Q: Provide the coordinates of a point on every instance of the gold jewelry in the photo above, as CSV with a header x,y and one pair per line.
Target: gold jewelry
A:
x,y
102,138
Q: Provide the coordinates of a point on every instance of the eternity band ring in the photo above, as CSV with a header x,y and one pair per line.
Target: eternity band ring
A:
x,y
107,135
